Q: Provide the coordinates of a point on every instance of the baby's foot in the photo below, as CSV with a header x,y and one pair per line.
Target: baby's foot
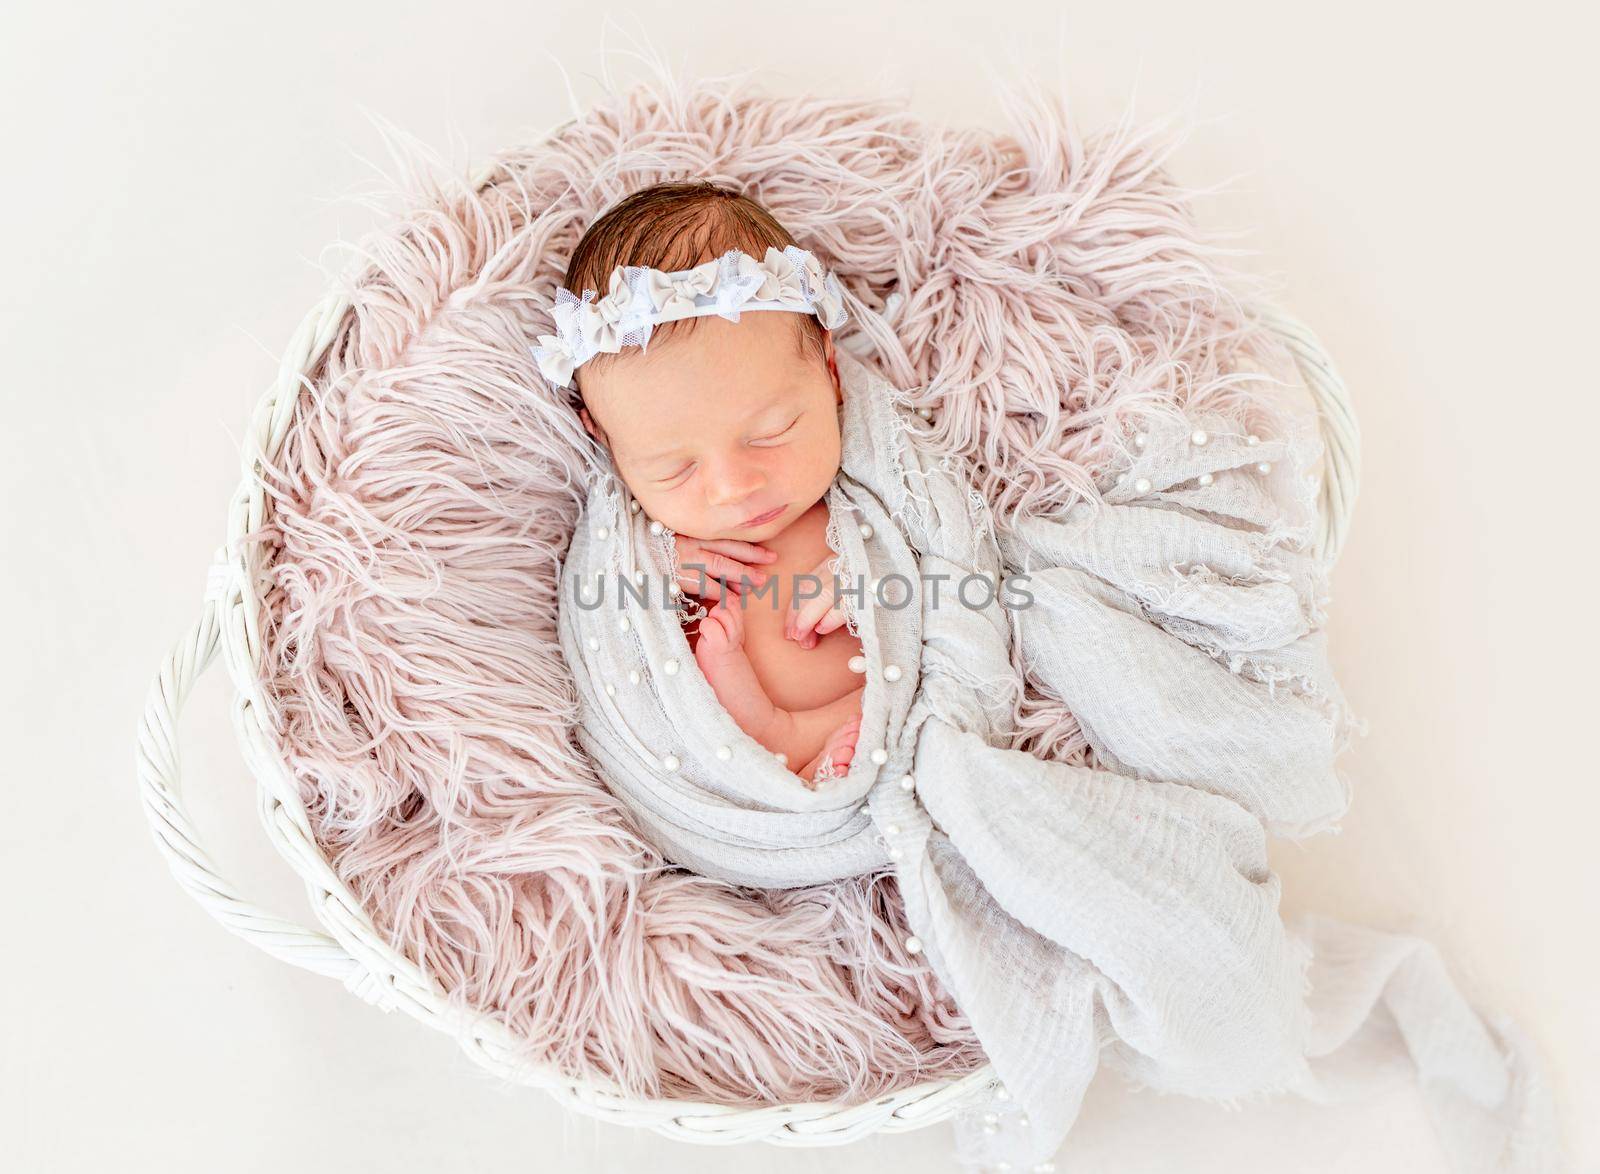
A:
x,y
719,651
836,754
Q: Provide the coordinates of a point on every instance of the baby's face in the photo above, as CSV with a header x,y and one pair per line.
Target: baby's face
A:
x,y
719,426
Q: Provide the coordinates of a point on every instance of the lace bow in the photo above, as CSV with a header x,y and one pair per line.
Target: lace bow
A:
x,y
638,297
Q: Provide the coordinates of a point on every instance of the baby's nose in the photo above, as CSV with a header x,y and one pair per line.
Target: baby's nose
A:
x,y
733,482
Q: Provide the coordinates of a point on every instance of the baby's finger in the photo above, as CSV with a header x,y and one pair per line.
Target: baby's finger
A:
x,y
805,619
700,584
748,551
831,622
734,571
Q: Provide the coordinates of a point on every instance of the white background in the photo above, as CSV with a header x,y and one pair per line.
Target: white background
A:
x,y
1423,180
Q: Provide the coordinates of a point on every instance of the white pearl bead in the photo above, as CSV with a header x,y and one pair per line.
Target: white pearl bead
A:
x,y
611,690
783,759
1140,440
594,644
633,507
1252,439
1022,1119
622,624
892,829
633,676
991,1118
1002,1167
638,577
891,672
913,945
858,664
989,1129
656,527
895,853
724,752
1206,478
1045,1168
925,412
1142,485
866,529
1198,436
1122,478
670,762
880,756
670,666
908,784
602,533
1264,468
1002,1094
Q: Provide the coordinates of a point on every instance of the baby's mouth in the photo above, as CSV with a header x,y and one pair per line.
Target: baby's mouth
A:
x,y
759,519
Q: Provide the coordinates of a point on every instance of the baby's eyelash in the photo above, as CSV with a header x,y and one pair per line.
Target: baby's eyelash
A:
x,y
678,476
786,428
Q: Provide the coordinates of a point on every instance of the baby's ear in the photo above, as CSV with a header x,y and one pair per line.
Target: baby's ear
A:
x,y
589,425
833,366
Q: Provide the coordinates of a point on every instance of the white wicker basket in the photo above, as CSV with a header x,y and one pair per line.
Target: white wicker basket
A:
x,y
349,947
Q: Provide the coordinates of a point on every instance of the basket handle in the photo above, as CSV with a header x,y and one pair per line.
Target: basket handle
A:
x,y
1340,433
157,765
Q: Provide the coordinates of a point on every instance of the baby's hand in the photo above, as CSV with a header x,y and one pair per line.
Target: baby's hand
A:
x,y
712,567
816,617
721,633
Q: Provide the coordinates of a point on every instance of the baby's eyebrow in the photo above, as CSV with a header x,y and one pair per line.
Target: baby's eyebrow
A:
x,y
662,455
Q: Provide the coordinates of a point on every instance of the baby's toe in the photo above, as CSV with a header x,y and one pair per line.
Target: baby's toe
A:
x,y
844,742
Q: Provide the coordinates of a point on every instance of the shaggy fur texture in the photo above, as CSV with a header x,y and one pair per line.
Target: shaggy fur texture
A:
x,y
1054,290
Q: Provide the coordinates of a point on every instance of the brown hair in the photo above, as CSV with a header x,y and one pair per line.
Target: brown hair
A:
x,y
677,225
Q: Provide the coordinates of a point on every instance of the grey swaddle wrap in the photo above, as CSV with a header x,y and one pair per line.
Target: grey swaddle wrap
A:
x,y
1126,907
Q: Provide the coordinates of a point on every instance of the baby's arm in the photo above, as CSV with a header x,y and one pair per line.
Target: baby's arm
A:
x,y
803,736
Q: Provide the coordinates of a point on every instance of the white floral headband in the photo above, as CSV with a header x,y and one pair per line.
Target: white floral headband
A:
x,y
790,279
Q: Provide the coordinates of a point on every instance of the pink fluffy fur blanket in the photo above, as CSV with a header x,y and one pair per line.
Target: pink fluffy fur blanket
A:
x,y
1040,288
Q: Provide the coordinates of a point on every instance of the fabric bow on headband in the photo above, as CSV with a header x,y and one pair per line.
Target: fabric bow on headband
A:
x,y
788,279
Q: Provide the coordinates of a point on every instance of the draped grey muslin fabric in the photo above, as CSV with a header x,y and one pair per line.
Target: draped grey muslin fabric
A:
x,y
1122,909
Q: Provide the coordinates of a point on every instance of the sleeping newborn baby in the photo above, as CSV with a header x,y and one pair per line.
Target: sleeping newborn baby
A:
x,y
728,434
